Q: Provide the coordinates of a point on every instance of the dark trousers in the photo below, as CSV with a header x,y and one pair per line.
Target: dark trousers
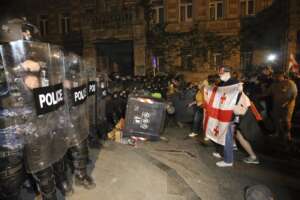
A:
x,y
280,119
197,121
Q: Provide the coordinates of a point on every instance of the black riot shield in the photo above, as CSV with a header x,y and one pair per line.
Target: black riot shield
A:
x,y
145,117
76,89
91,101
36,100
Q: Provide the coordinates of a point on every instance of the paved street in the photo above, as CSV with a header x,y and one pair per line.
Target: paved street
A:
x,y
179,169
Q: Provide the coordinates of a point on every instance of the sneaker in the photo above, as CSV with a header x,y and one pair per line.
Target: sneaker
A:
x,y
224,164
193,135
235,148
216,155
250,160
180,125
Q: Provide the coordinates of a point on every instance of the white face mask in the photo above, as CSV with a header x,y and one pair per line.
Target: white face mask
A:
x,y
225,76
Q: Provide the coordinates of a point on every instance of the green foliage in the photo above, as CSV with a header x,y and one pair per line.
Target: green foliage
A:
x,y
201,41
197,42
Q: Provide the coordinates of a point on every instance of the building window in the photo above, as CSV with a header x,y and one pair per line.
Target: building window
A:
x,y
65,24
216,9
158,63
186,10
158,14
246,60
217,59
89,11
43,23
187,62
247,7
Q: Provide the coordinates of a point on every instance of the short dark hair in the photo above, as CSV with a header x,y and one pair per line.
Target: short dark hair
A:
x,y
225,68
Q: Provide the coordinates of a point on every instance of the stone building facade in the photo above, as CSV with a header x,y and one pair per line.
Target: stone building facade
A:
x,y
293,33
112,33
275,32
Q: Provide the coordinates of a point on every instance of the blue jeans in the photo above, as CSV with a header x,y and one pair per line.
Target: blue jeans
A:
x,y
228,148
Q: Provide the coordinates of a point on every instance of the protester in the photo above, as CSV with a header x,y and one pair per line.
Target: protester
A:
x,y
265,81
199,101
283,93
223,106
252,159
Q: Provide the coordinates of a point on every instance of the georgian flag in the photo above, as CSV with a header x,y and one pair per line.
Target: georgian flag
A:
x,y
220,107
293,64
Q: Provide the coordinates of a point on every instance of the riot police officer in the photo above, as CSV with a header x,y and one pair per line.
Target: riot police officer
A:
x,y
75,86
11,145
35,105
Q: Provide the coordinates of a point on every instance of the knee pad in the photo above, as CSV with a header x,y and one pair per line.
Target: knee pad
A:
x,y
46,180
10,187
80,155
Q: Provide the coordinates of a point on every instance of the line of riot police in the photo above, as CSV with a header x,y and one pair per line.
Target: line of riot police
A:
x,y
52,106
46,96
113,93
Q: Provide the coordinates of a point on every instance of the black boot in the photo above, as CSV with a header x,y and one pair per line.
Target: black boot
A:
x,y
46,182
61,178
84,180
80,157
65,188
12,174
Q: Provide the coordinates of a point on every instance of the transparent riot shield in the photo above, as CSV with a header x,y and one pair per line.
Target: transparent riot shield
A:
x,y
75,86
35,100
11,142
91,101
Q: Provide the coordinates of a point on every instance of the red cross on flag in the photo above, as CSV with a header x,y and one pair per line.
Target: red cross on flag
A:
x,y
216,131
220,106
223,98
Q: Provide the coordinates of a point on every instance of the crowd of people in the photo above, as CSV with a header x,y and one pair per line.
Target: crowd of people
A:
x,y
273,97
52,108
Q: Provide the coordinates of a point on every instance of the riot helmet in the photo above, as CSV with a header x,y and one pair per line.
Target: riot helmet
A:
x,y
17,29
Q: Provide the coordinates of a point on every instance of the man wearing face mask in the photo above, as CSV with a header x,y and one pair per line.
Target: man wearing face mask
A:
x,y
225,80
223,104
225,77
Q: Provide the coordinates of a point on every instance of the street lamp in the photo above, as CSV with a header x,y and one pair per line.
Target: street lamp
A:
x,y
271,57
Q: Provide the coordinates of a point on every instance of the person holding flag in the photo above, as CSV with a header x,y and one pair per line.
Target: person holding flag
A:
x,y
223,106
